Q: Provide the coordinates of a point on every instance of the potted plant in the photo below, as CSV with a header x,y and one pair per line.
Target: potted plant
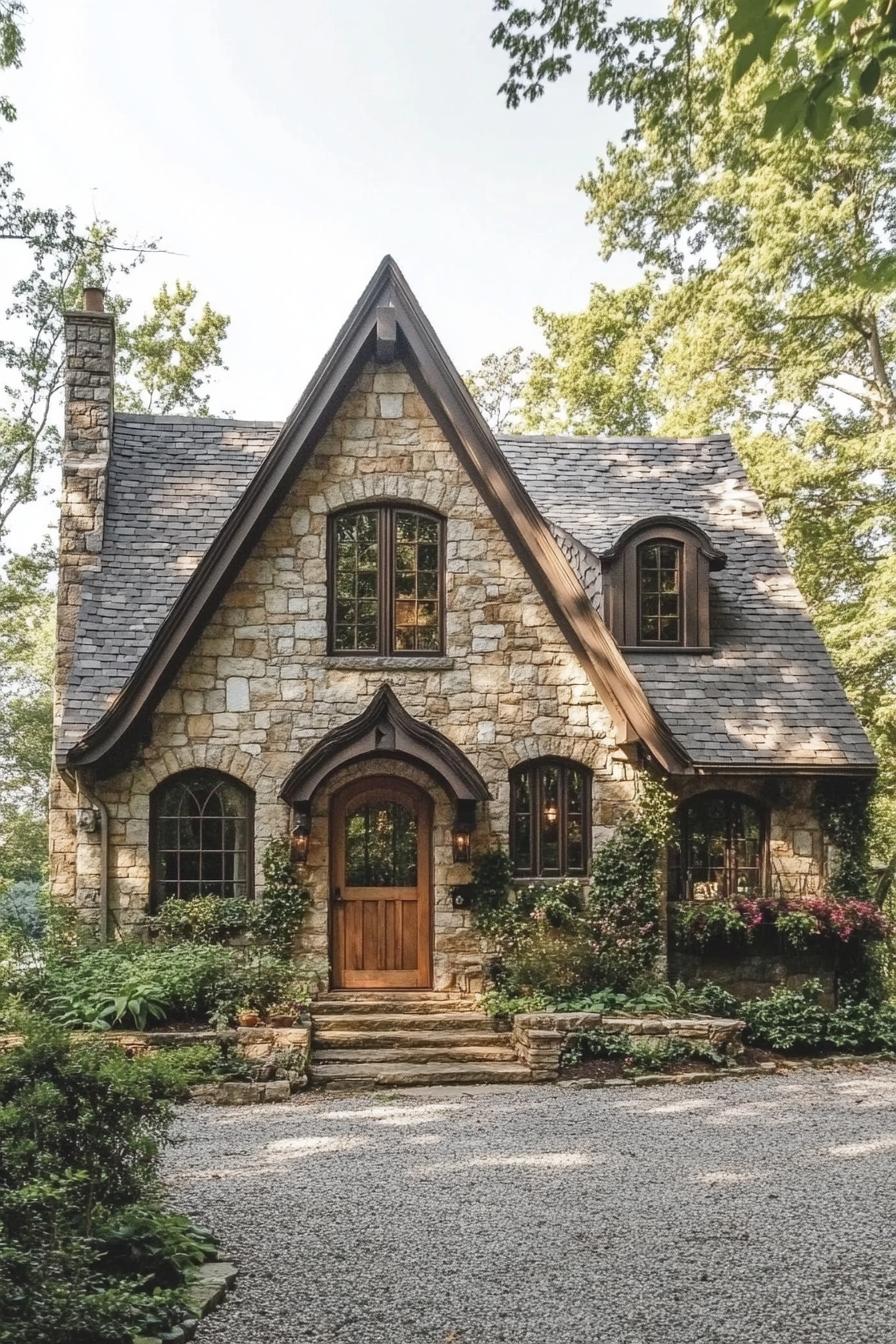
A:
x,y
247,1016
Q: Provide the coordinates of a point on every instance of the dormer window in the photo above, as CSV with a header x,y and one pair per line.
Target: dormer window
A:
x,y
659,592
656,585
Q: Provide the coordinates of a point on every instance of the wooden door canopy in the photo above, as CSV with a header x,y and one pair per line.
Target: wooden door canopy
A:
x,y
384,728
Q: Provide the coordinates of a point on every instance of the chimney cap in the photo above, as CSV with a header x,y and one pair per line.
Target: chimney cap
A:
x,y
94,299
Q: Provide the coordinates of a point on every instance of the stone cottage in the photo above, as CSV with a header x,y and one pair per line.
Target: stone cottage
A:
x,y
381,630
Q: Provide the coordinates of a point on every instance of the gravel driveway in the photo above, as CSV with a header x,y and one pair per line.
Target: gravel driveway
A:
x,y
759,1211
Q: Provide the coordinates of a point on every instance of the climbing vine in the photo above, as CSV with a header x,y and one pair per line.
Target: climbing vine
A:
x,y
843,807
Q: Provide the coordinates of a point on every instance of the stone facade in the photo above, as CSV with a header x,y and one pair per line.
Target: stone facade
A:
x,y
259,687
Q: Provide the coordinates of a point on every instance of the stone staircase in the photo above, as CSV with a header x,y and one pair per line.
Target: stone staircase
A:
x,y
411,1039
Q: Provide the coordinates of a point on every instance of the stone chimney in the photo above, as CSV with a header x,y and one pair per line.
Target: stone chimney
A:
x,y
89,381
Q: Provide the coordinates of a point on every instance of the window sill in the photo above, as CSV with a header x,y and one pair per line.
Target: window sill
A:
x,y
366,662
653,649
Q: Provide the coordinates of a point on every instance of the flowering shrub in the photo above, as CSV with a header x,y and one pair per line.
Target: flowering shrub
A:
x,y
797,920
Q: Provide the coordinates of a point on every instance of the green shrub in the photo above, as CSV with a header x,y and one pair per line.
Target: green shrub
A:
x,y
639,1054
271,921
623,899
861,1027
80,1130
790,1020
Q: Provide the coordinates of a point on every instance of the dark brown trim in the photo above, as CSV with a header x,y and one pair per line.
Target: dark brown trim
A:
x,y
112,738
155,899
682,823
621,570
782,768
385,729
533,769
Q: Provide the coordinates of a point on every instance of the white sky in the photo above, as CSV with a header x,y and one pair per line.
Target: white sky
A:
x,y
283,147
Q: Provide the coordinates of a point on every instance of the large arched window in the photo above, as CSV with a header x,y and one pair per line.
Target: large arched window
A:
x,y
550,819
386,580
720,852
201,824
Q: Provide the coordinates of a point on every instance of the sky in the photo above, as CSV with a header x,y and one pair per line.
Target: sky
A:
x,y
278,150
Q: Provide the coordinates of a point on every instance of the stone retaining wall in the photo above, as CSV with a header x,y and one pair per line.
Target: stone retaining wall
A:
x,y
539,1038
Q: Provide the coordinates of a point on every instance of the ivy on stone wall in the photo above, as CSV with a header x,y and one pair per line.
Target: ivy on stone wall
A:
x,y
843,807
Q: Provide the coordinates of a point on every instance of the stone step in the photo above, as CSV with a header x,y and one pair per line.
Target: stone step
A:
x,y
392,995
405,1054
400,1021
348,1040
414,1006
363,1077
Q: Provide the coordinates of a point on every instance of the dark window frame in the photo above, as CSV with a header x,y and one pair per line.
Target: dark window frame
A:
x,y
621,584
386,512
157,883
533,772
657,544
680,880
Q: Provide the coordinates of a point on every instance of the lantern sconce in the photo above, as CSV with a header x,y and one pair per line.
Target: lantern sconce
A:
x,y
301,831
551,813
462,832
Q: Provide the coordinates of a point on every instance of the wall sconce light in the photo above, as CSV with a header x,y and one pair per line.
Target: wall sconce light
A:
x,y
301,830
464,825
550,813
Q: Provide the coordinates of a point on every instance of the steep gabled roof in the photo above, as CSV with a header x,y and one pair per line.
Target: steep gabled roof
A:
x,y
525,527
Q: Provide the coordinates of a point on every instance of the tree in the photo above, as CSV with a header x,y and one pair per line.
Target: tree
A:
x,y
769,310
496,387
828,55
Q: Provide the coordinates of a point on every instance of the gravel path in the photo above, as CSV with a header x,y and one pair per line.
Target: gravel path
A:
x,y
759,1211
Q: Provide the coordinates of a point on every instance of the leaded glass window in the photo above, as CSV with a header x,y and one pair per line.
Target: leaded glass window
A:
x,y
659,592
386,581
202,837
720,850
381,846
549,819
356,577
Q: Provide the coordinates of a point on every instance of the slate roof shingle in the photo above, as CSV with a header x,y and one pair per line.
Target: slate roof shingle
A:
x,y
767,695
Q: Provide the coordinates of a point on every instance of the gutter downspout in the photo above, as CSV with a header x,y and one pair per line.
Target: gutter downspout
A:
x,y
78,779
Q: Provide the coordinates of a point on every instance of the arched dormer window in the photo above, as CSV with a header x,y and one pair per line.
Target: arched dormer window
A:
x,y
550,818
386,580
201,825
656,585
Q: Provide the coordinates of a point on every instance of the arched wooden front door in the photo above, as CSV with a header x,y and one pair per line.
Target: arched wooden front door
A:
x,y
381,886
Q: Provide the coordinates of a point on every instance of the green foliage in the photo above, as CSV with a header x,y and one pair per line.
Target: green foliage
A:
x,y
86,1254
189,982
271,921
496,387
623,899
789,1020
843,807
639,1054
678,1000
284,904
823,63
166,359
698,923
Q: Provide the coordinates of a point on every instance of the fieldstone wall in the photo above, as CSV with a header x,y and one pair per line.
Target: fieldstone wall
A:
x,y
89,381
259,688
539,1038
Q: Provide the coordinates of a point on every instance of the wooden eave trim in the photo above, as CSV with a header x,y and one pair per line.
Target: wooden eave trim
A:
x,y
782,768
525,528
669,523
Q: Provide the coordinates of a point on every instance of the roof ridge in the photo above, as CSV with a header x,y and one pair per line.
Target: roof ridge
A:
x,y
145,418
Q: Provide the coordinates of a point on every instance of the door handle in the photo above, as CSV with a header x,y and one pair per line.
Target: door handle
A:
x,y
337,894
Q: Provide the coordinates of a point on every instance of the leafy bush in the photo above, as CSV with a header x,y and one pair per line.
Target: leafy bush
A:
x,y
271,922
790,1020
677,1000
639,1054
799,921
80,1129
129,983
861,1027
623,900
